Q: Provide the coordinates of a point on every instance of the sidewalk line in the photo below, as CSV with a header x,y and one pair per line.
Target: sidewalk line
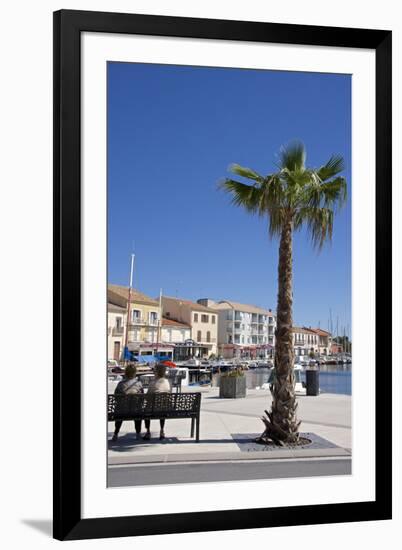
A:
x,y
243,461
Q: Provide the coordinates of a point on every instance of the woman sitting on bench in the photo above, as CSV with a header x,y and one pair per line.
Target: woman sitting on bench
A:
x,y
127,386
159,385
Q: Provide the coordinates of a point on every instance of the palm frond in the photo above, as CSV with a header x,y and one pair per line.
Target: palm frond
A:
x,y
293,156
248,196
331,194
277,218
334,166
248,173
319,223
334,192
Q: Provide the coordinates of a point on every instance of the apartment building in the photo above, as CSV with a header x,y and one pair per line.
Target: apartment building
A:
x,y
144,329
202,320
324,341
244,331
305,341
175,332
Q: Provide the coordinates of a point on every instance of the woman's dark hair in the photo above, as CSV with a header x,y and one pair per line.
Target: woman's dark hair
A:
x,y
160,370
130,371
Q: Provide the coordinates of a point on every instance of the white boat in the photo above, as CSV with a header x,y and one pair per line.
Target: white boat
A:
x,y
194,362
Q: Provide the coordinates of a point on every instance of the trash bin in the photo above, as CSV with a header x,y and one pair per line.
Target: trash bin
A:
x,y
312,381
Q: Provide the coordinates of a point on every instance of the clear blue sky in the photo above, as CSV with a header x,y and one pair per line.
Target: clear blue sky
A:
x,y
172,133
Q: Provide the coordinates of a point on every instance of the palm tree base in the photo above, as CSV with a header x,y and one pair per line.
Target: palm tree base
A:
x,y
283,433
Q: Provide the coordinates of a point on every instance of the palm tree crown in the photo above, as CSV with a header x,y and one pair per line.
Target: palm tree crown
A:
x,y
304,195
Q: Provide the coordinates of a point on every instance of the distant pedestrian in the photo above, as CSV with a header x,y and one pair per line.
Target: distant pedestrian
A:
x,y
159,385
129,385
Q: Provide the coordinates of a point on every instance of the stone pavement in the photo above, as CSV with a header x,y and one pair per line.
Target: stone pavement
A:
x,y
228,427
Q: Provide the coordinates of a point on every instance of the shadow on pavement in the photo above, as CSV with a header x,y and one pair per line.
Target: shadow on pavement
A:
x,y
129,443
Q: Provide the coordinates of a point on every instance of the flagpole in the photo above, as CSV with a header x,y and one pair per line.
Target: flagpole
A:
x,y
129,302
159,335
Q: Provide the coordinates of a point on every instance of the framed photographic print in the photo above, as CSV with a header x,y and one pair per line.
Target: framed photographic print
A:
x,y
222,274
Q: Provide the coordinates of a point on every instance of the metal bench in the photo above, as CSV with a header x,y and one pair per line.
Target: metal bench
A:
x,y
156,406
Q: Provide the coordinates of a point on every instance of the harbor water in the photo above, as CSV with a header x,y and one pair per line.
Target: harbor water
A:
x,y
333,378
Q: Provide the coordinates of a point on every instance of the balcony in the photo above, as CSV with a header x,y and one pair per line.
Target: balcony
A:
x,y
138,321
210,341
236,330
117,331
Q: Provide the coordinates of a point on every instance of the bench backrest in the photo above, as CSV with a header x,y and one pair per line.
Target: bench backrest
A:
x,y
152,404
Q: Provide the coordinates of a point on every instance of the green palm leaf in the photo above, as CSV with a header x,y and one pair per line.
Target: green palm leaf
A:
x,y
245,172
333,167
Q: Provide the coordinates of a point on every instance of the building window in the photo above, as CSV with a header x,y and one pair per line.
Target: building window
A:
x,y
208,336
119,322
213,319
116,351
198,336
204,318
195,317
136,315
153,317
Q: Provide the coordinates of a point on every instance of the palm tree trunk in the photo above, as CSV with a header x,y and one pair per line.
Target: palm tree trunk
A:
x,y
281,423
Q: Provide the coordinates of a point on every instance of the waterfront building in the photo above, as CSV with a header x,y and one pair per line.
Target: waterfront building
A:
x,y
116,327
202,321
175,332
244,331
336,348
144,327
324,341
305,341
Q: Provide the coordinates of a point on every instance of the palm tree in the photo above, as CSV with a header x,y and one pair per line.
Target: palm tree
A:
x,y
293,197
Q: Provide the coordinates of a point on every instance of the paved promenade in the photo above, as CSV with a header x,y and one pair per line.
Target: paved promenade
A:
x,y
226,424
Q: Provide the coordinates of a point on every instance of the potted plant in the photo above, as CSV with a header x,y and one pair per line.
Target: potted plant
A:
x,y
232,384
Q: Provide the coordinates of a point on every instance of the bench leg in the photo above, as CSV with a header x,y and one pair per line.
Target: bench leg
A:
x,y
197,433
192,427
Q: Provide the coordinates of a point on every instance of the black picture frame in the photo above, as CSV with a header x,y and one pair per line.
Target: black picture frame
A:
x,y
68,26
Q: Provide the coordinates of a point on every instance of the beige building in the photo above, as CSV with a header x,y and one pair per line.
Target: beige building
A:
x,y
324,341
305,341
203,323
244,331
116,320
144,328
174,332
